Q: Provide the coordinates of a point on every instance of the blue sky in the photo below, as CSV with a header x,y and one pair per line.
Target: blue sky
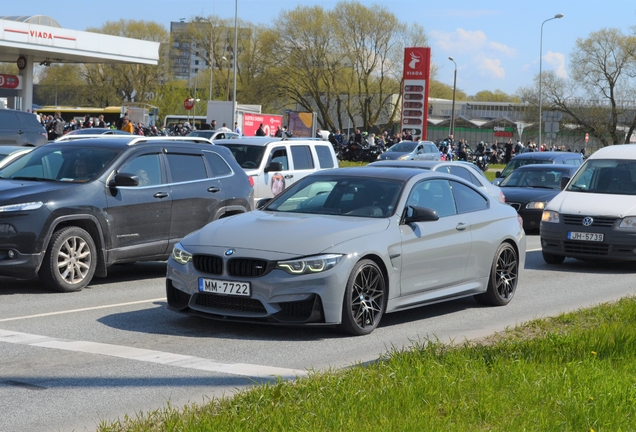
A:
x,y
495,43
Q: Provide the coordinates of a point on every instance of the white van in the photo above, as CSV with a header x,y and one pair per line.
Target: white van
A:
x,y
594,216
275,163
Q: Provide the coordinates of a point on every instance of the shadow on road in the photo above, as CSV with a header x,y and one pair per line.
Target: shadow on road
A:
x,y
118,273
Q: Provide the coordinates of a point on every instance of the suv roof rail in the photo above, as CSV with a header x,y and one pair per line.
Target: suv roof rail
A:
x,y
69,137
143,139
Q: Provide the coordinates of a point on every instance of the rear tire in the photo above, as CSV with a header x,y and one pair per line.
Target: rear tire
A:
x,y
70,260
364,299
504,275
552,259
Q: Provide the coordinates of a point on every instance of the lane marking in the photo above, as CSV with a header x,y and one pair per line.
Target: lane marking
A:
x,y
150,356
82,309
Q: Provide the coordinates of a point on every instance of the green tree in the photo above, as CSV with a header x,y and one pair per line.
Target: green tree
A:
x,y
113,83
62,84
598,98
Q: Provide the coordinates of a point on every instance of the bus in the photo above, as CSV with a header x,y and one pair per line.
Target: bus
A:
x,y
170,120
111,114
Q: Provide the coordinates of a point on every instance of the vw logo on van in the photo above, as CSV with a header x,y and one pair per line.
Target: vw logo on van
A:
x,y
588,221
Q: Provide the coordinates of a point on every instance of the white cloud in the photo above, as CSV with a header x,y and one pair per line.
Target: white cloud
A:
x,y
557,61
491,68
504,49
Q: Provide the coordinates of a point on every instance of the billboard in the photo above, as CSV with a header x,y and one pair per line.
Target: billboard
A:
x,y
417,68
301,124
270,123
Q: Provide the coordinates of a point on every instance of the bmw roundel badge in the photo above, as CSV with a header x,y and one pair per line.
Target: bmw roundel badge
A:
x,y
229,252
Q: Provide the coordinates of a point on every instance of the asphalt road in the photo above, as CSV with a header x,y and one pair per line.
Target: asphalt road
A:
x,y
69,361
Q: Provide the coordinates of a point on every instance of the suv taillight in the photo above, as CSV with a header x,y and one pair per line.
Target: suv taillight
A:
x,y
251,181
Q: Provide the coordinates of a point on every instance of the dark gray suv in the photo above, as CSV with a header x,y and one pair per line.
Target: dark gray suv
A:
x,y
21,128
69,210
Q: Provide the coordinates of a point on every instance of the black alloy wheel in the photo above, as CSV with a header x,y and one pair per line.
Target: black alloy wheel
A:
x,y
504,276
365,299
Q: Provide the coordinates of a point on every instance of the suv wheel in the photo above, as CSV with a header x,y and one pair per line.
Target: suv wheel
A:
x,y
69,263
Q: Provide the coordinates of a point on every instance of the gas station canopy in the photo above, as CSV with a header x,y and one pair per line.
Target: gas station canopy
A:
x,y
40,39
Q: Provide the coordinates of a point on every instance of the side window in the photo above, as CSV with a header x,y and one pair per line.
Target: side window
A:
x,y
217,164
434,194
8,120
147,167
279,154
465,174
301,155
186,167
467,199
324,156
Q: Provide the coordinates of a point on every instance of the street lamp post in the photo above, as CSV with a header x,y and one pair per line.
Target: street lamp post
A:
x,y
451,129
557,16
235,58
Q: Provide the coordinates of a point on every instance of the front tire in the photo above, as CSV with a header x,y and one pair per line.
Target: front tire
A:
x,y
70,261
552,259
504,275
364,299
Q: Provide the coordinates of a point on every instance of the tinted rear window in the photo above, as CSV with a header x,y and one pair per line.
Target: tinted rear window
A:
x,y
324,156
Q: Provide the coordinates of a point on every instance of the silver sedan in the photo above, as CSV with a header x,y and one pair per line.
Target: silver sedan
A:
x,y
343,247
466,170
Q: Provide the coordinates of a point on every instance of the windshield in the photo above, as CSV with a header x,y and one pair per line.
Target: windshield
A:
x,y
60,163
545,178
514,164
340,195
607,176
247,156
403,147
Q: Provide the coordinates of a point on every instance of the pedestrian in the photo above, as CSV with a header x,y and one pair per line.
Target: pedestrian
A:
x,y
508,154
100,121
237,129
213,125
224,128
260,131
127,126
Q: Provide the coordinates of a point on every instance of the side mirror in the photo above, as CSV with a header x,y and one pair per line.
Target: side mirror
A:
x,y
564,182
274,166
498,174
262,203
419,214
124,179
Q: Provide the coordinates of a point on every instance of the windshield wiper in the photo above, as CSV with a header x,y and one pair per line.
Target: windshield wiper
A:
x,y
30,178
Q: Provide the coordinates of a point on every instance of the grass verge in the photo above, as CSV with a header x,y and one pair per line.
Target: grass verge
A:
x,y
574,372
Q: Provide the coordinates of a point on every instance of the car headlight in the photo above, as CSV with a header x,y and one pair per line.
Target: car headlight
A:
x,y
536,205
628,222
21,207
550,216
314,264
180,255
405,157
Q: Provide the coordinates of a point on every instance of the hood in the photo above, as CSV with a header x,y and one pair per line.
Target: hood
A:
x,y
592,204
523,194
13,191
292,233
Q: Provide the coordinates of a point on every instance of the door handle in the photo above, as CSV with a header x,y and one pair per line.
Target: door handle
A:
x,y
213,189
160,195
288,176
461,226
